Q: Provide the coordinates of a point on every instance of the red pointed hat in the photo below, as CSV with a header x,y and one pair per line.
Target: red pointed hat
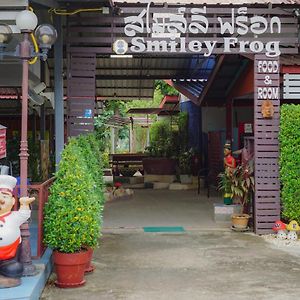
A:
x,y
279,225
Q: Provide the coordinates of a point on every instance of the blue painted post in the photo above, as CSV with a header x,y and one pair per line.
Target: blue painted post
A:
x,y
195,123
58,91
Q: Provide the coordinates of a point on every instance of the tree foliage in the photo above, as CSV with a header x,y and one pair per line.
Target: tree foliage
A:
x,y
290,160
74,208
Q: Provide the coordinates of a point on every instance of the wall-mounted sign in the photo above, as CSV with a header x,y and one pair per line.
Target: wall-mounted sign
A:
x,y
209,30
248,128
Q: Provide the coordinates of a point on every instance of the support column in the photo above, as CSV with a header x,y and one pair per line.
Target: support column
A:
x,y
58,91
112,139
229,119
131,150
266,144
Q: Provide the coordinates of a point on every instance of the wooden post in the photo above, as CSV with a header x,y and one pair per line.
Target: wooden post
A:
x,y
266,145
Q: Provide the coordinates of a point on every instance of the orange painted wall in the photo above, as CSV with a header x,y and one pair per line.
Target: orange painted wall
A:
x,y
244,85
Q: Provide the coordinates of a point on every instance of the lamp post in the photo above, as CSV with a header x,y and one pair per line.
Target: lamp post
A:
x,y
46,35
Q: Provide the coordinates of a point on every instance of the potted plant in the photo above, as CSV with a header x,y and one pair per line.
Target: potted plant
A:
x,y
185,166
90,148
242,186
72,216
224,184
161,151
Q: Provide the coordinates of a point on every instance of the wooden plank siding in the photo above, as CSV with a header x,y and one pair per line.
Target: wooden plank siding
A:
x,y
266,147
81,91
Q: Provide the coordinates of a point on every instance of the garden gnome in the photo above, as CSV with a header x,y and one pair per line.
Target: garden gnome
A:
x,y
229,160
10,236
293,227
280,227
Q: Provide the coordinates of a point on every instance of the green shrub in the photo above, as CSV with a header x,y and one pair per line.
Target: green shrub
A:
x,y
290,160
162,139
183,123
73,211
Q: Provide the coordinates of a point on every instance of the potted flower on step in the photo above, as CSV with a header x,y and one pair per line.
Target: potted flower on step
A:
x,y
72,216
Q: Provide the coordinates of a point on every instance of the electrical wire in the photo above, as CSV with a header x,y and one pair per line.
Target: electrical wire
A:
x,y
35,45
36,49
64,12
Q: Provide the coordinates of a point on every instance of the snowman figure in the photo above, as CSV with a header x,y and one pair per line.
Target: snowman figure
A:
x,y
10,235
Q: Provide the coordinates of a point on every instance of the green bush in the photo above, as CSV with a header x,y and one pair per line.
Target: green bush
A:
x,y
183,123
290,160
73,211
162,139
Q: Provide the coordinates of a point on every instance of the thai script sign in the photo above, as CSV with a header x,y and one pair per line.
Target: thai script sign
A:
x,y
198,30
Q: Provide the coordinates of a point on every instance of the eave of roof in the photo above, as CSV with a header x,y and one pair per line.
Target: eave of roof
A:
x,y
212,2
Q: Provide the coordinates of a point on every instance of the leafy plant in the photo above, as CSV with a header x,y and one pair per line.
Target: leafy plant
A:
x,y
161,138
239,182
183,122
242,184
185,162
289,161
225,182
73,211
165,88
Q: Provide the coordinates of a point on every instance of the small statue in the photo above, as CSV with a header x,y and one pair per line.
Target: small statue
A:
x,y
280,228
293,227
10,236
267,109
229,160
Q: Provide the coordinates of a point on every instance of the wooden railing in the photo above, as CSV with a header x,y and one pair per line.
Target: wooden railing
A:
x,y
41,192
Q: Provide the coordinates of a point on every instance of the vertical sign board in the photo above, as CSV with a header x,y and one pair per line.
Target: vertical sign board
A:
x,y
2,141
266,130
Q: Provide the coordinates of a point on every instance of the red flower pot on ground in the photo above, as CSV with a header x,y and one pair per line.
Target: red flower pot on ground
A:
x,y
70,268
89,267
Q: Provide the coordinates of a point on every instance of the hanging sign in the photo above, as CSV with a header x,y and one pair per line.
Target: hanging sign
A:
x,y
2,141
203,30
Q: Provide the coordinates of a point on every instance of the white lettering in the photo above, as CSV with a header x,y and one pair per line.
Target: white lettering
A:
x,y
243,45
173,45
256,46
270,93
268,66
195,46
138,45
182,45
157,46
272,49
210,45
229,42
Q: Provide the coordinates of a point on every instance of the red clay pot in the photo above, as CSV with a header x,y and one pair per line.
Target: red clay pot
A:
x,y
89,267
69,268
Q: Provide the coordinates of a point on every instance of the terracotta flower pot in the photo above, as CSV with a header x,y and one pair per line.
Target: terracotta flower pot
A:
x,y
89,267
69,268
240,221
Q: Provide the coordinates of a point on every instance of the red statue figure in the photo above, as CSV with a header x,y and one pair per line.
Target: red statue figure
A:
x,y
229,160
10,235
